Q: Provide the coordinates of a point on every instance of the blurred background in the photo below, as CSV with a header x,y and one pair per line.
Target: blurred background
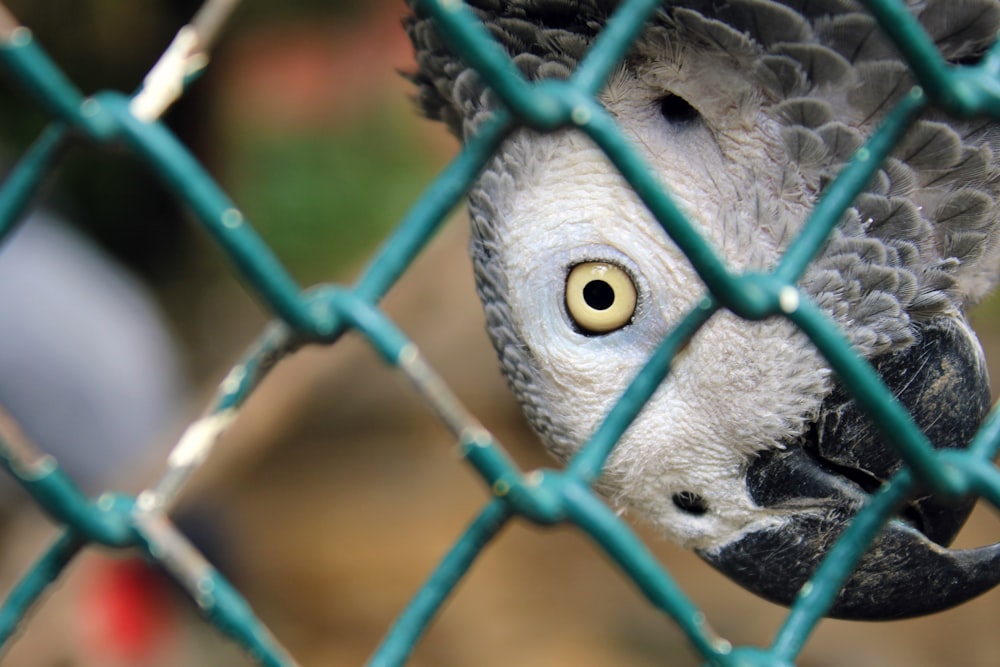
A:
x,y
336,492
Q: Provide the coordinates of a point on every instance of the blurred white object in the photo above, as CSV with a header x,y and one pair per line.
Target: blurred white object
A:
x,y
87,366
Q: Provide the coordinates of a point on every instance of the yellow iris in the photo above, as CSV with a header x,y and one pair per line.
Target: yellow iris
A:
x,y
600,297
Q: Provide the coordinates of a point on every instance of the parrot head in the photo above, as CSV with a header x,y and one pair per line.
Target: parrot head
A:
x,y
750,452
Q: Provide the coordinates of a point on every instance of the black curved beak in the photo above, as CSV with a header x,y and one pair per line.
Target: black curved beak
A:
x,y
904,573
820,482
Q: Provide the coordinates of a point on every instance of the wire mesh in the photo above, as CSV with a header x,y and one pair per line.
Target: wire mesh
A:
x,y
321,314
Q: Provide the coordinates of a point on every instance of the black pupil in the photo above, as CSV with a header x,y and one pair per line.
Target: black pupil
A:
x,y
599,295
677,110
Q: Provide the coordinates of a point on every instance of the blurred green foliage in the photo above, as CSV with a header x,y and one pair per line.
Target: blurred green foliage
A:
x,y
323,199
312,191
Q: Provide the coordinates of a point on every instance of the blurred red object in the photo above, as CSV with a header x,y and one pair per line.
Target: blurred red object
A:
x,y
128,614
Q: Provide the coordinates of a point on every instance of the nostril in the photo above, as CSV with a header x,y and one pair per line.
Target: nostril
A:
x,y
676,109
690,502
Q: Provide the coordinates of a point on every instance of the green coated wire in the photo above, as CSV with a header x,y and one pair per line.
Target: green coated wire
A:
x,y
42,575
26,178
411,623
587,464
321,314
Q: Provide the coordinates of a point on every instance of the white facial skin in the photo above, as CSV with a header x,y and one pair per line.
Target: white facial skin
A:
x,y
739,387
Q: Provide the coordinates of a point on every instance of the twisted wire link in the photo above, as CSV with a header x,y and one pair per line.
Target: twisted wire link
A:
x,y
320,315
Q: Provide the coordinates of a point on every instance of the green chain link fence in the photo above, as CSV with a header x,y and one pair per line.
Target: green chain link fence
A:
x,y
320,315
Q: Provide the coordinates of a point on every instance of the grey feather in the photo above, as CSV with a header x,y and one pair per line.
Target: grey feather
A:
x,y
902,180
806,112
821,65
965,209
961,28
879,184
782,75
816,9
930,145
880,85
841,140
854,36
767,23
804,146
972,167
893,219
712,32
966,247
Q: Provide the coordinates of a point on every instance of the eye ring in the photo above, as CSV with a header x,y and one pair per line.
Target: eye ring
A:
x,y
600,297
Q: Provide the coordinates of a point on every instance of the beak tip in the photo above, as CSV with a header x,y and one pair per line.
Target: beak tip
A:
x,y
901,575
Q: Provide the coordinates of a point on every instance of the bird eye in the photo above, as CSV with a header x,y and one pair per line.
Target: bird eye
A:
x,y
676,109
600,297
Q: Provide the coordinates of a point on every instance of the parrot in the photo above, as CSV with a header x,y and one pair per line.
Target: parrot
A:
x,y
751,452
